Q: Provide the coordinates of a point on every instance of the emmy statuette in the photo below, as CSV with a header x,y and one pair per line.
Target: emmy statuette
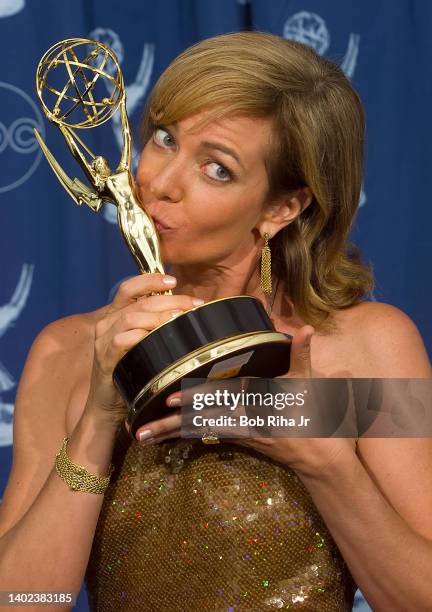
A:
x,y
80,86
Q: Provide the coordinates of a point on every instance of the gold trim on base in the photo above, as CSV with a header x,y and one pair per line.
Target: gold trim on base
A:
x,y
201,356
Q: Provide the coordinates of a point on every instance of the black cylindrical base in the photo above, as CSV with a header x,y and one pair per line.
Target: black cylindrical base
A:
x,y
191,345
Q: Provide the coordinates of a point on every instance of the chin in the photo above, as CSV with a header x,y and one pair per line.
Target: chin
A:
x,y
171,255
179,253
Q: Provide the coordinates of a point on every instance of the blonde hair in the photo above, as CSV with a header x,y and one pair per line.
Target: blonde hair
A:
x,y
318,129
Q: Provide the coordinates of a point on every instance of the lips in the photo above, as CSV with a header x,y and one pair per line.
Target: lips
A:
x,y
161,225
161,228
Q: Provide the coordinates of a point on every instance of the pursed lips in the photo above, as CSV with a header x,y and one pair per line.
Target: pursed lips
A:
x,y
160,224
158,219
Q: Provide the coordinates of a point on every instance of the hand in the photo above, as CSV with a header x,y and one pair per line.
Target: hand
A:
x,y
127,320
307,456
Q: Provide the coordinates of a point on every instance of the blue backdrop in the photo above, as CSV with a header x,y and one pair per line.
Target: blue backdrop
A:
x,y
58,259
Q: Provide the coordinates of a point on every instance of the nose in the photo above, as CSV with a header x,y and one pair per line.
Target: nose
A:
x,y
165,185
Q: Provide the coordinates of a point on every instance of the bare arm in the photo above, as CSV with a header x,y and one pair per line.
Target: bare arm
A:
x,y
58,529
377,506
44,526
389,560
46,530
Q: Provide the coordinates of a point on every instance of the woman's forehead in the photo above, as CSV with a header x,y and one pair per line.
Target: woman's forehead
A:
x,y
248,133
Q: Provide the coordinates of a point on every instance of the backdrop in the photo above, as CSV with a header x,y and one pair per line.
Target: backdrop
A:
x,y
58,259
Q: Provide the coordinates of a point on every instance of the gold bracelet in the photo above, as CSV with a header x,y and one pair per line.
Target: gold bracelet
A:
x,y
77,477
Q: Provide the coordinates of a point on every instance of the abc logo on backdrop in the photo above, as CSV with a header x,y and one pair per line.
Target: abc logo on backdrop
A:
x,y
18,146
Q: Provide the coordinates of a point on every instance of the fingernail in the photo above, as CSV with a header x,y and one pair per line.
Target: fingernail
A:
x,y
169,280
148,442
197,301
144,435
174,401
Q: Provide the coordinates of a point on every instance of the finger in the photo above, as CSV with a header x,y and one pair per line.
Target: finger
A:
x,y
175,399
127,320
143,284
154,304
170,436
122,341
114,343
300,360
161,427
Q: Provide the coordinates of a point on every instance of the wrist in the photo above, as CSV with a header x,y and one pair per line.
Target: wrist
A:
x,y
77,477
341,465
92,443
107,419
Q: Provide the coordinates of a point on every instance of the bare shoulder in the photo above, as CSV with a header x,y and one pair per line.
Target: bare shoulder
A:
x,y
70,343
392,347
68,333
387,339
60,354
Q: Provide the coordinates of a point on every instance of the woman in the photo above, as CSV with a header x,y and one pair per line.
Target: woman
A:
x,y
245,135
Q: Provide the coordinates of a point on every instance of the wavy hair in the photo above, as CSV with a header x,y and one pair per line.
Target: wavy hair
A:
x,y
318,139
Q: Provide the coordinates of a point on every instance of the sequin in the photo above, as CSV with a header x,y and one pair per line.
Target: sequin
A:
x,y
221,529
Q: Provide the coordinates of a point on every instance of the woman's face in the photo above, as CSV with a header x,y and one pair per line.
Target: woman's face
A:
x,y
206,190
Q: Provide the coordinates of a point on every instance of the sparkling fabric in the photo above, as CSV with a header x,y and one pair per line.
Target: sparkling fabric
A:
x,y
187,527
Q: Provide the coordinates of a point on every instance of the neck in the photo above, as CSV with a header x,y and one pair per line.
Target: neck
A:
x,y
219,281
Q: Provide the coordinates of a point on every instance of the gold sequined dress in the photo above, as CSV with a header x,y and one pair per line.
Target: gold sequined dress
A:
x,y
189,527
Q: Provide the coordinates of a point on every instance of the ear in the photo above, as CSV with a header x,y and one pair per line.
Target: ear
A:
x,y
283,211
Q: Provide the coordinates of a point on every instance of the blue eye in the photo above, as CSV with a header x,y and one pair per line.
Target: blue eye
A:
x,y
162,137
220,173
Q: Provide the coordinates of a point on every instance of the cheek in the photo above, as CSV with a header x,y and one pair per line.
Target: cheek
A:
x,y
217,225
227,208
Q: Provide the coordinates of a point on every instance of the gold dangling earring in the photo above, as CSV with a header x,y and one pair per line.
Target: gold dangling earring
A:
x,y
266,277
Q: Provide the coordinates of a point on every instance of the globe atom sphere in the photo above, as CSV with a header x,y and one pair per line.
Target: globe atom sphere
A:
x,y
79,83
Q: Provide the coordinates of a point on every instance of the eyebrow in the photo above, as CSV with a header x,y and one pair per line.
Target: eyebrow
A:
x,y
220,147
217,146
